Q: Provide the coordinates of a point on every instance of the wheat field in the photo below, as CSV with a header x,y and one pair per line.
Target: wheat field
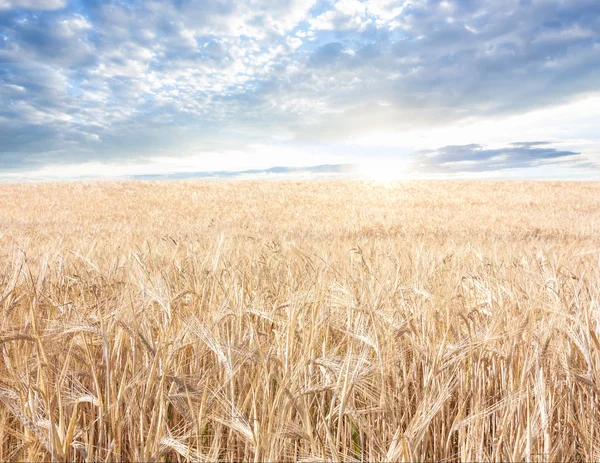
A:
x,y
300,321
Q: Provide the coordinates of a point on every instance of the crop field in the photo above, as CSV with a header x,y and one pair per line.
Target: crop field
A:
x,y
300,321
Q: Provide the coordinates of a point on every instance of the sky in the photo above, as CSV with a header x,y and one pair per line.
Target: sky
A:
x,y
378,88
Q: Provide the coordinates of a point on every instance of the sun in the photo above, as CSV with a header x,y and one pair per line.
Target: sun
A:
x,y
383,171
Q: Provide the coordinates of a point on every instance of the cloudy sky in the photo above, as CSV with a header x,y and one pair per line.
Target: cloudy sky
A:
x,y
396,88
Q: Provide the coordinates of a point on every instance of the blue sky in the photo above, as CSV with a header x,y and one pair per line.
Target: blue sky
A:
x,y
398,88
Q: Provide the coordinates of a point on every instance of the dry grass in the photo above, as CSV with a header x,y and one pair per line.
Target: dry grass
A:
x,y
300,321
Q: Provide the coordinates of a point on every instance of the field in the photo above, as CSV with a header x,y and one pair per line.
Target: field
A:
x,y
299,321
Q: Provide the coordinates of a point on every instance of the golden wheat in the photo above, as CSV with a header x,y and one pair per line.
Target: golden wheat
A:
x,y
300,321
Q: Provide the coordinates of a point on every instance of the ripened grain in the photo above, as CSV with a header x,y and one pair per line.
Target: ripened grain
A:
x,y
300,321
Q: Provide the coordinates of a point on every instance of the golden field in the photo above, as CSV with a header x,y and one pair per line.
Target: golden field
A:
x,y
300,321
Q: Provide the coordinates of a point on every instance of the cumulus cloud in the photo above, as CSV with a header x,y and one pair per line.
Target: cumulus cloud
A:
x,y
123,79
345,15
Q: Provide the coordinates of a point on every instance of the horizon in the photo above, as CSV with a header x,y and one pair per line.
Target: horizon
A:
x,y
126,89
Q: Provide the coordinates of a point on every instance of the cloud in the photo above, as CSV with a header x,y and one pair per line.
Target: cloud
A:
x,y
477,158
345,15
280,172
33,4
119,79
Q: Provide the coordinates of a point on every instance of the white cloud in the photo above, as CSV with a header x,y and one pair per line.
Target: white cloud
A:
x,y
386,10
72,26
345,15
294,42
569,126
121,79
33,4
257,156
325,21
351,7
